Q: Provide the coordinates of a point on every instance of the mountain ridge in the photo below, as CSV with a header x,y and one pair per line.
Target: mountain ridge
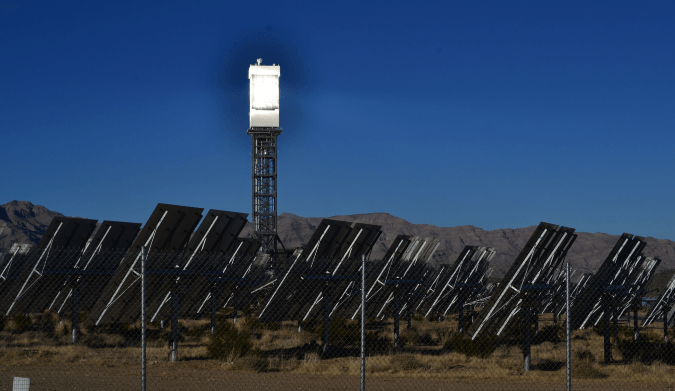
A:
x,y
26,222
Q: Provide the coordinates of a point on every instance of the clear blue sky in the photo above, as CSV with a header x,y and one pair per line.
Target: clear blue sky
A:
x,y
494,114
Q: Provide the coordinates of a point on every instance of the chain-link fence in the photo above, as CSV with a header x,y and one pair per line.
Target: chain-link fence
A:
x,y
74,320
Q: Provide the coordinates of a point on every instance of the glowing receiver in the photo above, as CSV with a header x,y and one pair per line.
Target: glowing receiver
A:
x,y
264,95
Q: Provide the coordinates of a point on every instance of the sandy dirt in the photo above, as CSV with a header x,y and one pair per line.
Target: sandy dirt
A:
x,y
70,377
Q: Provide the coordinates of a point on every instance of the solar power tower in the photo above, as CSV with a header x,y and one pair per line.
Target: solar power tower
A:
x,y
264,130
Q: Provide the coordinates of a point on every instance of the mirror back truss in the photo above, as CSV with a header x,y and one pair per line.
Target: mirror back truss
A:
x,y
329,254
59,250
215,237
613,273
468,274
167,231
95,267
215,287
378,272
342,275
527,281
665,303
400,279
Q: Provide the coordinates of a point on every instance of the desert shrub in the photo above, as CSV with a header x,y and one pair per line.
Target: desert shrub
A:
x,y
586,370
418,318
481,347
228,342
340,332
413,336
585,355
19,323
599,329
195,331
645,351
405,362
444,335
252,324
252,363
103,340
47,322
666,353
550,333
376,342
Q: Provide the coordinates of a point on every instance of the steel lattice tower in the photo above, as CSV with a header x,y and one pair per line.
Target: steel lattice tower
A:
x,y
264,156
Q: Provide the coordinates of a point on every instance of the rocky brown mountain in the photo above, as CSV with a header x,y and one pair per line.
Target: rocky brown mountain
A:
x,y
27,222
586,255
23,223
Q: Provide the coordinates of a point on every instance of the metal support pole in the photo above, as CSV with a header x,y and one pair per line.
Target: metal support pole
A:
x,y
527,353
144,258
608,326
235,309
174,328
397,308
568,329
535,315
326,320
616,324
460,323
636,330
214,303
409,317
363,322
76,313
665,323
299,325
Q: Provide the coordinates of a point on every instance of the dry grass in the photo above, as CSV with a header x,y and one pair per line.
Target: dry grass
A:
x,y
428,353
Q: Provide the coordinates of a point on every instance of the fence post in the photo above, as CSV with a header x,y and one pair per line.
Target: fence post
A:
x,y
363,322
174,327
665,323
214,303
460,321
636,330
326,319
608,328
527,351
76,312
235,309
144,256
615,314
397,308
568,329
